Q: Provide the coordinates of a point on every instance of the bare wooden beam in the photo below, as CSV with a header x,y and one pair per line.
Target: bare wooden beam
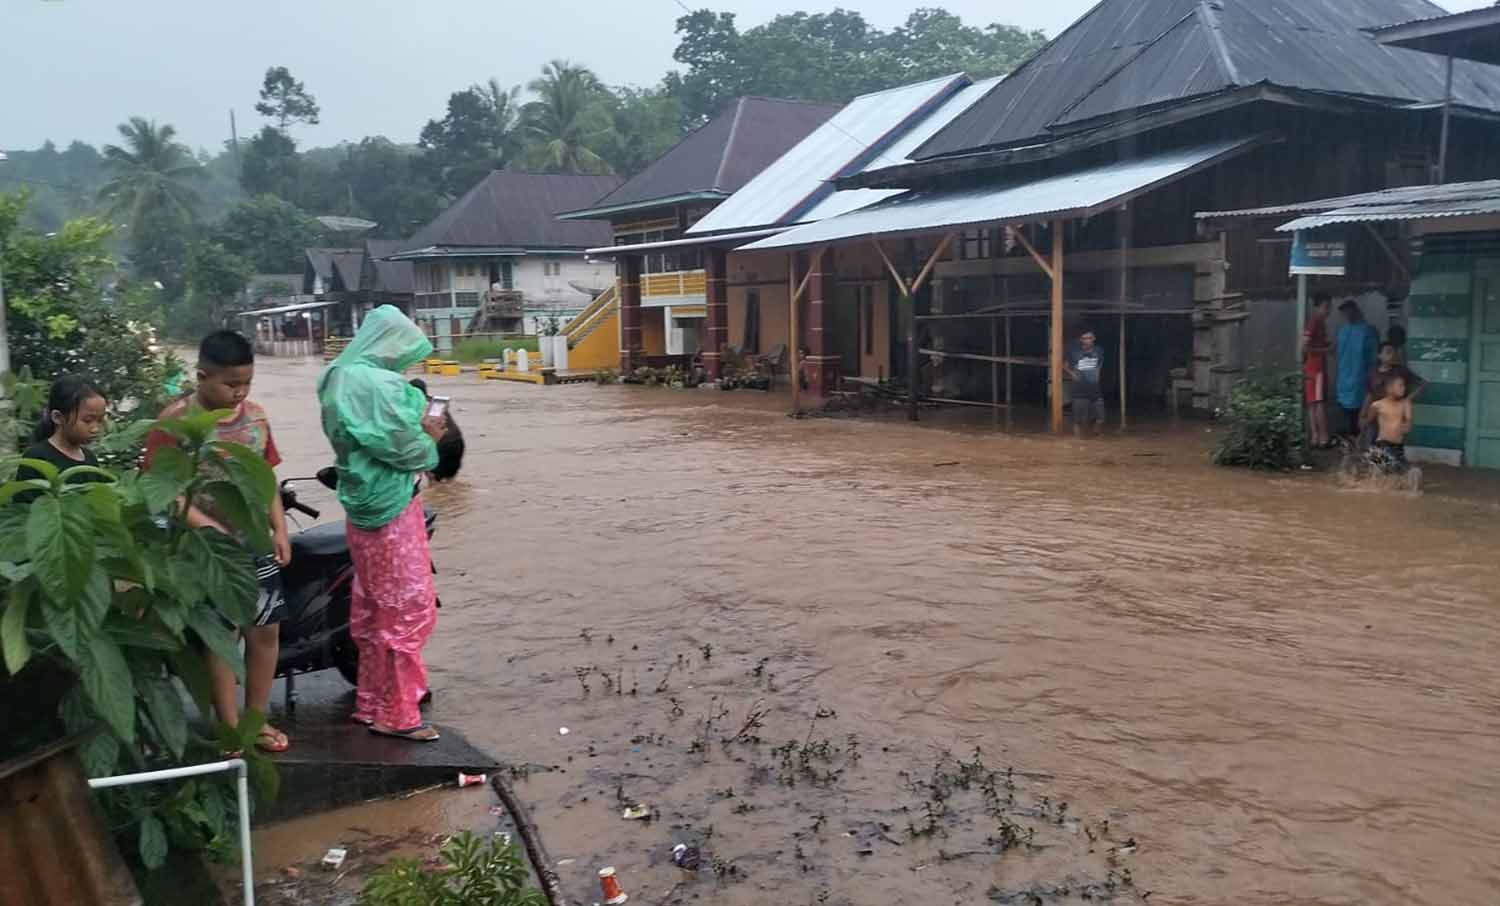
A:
x,y
1038,361
1141,256
1025,243
895,274
916,285
1389,252
1056,353
814,264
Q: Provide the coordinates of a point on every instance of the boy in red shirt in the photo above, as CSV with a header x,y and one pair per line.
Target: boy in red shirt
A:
x,y
226,367
1314,355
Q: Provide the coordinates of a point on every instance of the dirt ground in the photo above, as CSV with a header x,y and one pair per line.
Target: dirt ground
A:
x,y
789,639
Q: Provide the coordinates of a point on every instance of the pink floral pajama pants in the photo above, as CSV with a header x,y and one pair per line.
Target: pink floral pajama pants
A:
x,y
392,613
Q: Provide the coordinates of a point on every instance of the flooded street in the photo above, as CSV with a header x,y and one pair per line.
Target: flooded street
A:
x,y
1282,692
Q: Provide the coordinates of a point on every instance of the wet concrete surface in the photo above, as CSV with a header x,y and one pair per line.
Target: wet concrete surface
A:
x,y
336,763
784,636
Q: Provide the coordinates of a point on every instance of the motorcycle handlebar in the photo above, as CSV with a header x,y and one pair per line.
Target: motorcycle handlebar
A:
x,y
303,509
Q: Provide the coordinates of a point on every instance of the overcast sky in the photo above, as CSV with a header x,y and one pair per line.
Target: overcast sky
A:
x,y
74,68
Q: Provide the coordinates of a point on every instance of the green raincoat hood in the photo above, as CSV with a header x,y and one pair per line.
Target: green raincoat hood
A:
x,y
387,339
373,418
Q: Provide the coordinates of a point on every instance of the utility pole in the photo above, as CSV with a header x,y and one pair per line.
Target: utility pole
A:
x,y
234,144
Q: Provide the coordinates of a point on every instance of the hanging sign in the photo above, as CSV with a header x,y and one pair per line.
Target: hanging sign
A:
x,y
1318,257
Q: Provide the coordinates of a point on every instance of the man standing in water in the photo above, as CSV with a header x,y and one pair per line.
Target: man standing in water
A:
x,y
1085,365
1314,370
1357,347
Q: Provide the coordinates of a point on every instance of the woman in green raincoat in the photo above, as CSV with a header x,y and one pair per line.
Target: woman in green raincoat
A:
x,y
382,442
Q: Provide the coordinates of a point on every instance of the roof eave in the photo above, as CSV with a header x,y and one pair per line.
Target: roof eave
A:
x,y
463,251
605,212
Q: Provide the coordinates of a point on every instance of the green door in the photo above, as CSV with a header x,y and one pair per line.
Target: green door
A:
x,y
1484,375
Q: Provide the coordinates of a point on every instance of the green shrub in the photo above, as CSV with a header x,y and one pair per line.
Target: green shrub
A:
x,y
1264,422
472,874
477,350
112,601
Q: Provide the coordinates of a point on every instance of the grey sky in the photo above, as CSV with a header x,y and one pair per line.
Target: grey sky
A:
x,y
75,68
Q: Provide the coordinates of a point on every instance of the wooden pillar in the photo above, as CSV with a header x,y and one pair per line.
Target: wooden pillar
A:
x,y
1055,365
631,350
1122,370
822,360
1009,396
794,344
913,359
995,367
717,297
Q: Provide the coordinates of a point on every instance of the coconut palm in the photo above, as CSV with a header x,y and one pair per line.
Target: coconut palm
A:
x,y
151,173
504,106
567,121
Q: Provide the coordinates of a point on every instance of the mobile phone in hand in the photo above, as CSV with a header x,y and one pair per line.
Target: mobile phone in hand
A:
x,y
437,407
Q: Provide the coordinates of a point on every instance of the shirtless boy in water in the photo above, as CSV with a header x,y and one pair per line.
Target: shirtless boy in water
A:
x,y
1392,414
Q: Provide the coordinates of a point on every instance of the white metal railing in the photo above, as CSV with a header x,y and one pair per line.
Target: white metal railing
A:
x,y
197,770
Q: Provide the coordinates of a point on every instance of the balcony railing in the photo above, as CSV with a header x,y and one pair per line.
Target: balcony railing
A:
x,y
680,283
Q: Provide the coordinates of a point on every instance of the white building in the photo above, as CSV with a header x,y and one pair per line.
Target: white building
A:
x,y
499,262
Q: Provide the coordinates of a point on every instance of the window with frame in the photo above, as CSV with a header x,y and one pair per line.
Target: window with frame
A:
x,y
976,245
507,275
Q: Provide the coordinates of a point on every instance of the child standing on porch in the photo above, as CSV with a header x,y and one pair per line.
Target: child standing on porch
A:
x,y
1085,364
226,367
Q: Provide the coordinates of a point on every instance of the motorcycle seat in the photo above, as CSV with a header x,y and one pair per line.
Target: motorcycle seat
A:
x,y
329,540
321,541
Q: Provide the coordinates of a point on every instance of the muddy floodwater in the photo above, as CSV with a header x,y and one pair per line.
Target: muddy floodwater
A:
x,y
1211,686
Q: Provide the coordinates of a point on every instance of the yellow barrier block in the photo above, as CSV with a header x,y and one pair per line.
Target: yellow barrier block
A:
x,y
452,370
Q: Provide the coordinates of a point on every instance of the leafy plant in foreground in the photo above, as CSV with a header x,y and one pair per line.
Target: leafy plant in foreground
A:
x,y
474,873
110,601
1264,425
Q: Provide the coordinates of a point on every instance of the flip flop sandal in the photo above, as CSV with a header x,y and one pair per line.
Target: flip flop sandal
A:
x,y
272,741
415,734
362,721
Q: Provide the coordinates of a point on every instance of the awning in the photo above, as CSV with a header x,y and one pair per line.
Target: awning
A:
x,y
1480,202
1081,193
1454,199
285,309
608,251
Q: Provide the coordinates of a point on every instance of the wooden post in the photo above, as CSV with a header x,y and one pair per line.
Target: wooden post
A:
x,y
1124,297
1008,373
913,360
793,358
1055,367
995,368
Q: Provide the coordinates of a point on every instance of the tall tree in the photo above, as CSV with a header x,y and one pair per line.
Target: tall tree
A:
x,y
387,186
215,278
476,135
271,165
268,232
151,174
568,120
286,100
647,122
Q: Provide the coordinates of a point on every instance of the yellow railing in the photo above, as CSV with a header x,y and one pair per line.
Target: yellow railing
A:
x,y
681,283
596,309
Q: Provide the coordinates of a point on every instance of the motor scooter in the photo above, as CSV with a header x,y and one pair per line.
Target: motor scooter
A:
x,y
317,584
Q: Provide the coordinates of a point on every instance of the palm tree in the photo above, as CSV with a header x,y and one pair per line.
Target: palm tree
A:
x,y
568,119
505,109
151,173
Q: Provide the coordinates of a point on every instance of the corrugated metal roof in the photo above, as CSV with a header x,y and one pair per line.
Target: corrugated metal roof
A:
x,y
1447,192
727,239
900,152
519,210
860,134
722,155
1124,55
1474,35
1067,195
1452,200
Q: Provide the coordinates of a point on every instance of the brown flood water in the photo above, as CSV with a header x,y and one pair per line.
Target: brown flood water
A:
x,y
1283,692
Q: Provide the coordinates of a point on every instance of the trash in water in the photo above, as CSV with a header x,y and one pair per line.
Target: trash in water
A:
x,y
333,860
563,731
292,873
687,858
562,862
610,886
497,811
471,779
637,813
